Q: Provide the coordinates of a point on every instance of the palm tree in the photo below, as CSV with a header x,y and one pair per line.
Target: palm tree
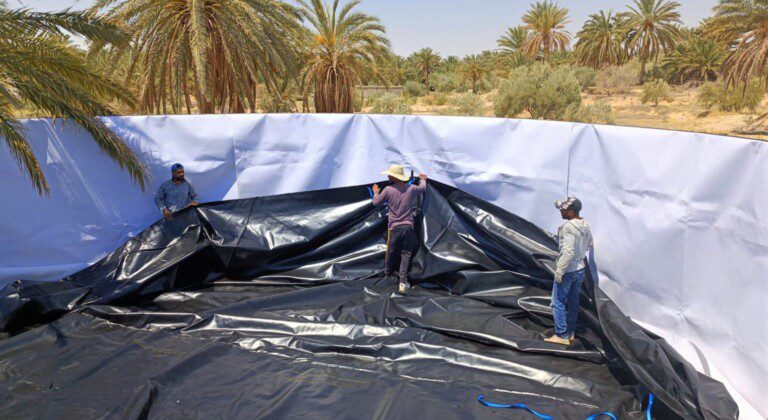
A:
x,y
695,60
450,64
41,73
472,68
395,70
512,40
743,26
342,44
511,48
652,27
545,24
426,61
215,50
601,41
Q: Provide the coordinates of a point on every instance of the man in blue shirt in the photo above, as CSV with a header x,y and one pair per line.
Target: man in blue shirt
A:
x,y
176,193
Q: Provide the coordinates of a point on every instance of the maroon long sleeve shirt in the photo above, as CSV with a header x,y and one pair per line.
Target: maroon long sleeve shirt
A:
x,y
401,201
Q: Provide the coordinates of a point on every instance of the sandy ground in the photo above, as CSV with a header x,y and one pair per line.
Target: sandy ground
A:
x,y
683,113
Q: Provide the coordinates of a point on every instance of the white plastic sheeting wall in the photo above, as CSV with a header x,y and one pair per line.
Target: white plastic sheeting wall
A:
x,y
681,246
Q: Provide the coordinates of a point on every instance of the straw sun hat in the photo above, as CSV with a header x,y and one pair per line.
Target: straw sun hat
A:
x,y
398,172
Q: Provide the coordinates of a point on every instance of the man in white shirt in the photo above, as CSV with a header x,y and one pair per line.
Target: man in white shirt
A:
x,y
574,241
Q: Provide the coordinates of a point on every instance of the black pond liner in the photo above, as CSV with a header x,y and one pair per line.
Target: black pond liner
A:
x,y
275,307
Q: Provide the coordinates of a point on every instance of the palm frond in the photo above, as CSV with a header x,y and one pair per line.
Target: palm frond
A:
x,y
79,23
41,72
742,25
11,131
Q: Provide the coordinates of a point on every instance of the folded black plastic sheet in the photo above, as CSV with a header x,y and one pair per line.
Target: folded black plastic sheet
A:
x,y
275,307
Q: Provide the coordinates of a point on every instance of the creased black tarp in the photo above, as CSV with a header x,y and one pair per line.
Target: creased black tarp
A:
x,y
274,307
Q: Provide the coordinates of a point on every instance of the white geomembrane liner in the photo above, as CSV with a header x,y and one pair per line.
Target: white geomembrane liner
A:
x,y
680,244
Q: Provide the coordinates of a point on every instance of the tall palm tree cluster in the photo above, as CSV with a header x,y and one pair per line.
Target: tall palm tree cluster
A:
x,y
732,44
647,29
208,56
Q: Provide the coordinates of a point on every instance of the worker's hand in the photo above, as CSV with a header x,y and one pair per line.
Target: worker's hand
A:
x,y
194,204
423,176
167,214
558,278
375,188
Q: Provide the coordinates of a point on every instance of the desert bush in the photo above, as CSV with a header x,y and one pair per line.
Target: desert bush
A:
x,y
436,99
390,104
371,99
586,76
598,113
616,79
655,91
731,99
562,58
708,95
414,89
655,72
483,85
272,104
447,82
493,81
545,92
466,104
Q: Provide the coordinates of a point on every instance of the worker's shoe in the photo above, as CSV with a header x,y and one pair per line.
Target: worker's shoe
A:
x,y
403,287
572,336
557,340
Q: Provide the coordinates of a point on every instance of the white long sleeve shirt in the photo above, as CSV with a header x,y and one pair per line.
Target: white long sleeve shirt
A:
x,y
574,241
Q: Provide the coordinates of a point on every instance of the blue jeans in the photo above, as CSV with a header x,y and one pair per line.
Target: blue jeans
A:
x,y
565,302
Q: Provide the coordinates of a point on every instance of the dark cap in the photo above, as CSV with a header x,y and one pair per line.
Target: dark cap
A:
x,y
176,166
569,203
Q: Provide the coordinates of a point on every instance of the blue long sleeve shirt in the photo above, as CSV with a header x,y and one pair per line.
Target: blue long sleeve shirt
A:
x,y
174,197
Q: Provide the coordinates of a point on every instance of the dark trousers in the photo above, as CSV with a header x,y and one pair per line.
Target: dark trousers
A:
x,y
401,242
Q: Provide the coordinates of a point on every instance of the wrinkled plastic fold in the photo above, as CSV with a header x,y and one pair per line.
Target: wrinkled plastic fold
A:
x,y
276,307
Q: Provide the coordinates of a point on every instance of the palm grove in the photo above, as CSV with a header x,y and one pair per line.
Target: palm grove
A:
x,y
220,56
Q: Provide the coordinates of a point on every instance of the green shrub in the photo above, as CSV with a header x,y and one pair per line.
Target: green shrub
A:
x,y
731,99
543,91
598,113
483,85
271,104
616,79
414,89
561,58
586,76
655,91
493,81
655,72
391,104
710,94
466,104
447,82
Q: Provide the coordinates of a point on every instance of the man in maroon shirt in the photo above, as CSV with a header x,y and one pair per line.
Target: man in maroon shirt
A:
x,y
401,238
